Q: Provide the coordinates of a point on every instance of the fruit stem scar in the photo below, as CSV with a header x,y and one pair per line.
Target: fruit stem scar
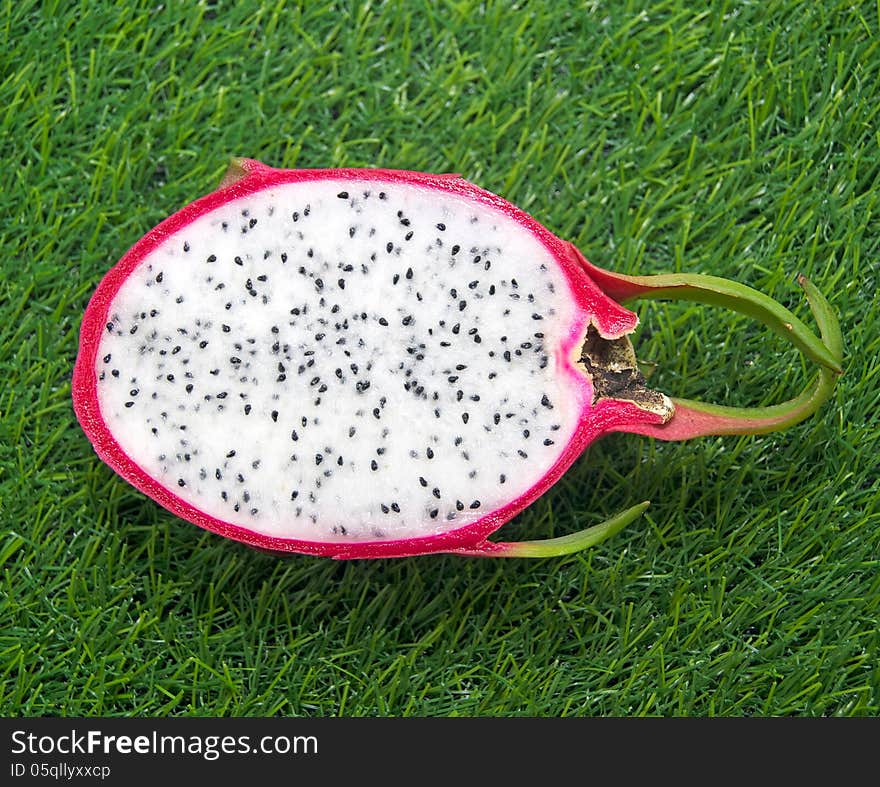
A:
x,y
613,370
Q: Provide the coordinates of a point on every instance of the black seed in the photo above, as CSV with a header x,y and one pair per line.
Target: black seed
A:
x,y
275,416
238,261
465,417
537,317
318,459
129,404
459,505
395,508
230,454
294,495
475,504
422,481
169,377
433,513
384,508
429,453
502,478
546,402
436,492
383,321
351,431
374,465
548,441
181,482
189,387
523,454
389,247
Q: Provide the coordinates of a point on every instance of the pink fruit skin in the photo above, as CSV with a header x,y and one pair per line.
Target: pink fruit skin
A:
x,y
610,318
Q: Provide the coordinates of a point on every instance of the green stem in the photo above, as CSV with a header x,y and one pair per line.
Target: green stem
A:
x,y
563,545
696,419
745,300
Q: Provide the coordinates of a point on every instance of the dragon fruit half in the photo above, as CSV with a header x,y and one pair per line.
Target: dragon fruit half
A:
x,y
373,363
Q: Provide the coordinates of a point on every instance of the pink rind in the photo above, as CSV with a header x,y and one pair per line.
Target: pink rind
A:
x,y
611,319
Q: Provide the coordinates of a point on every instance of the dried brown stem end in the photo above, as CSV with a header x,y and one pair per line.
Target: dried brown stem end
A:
x,y
612,368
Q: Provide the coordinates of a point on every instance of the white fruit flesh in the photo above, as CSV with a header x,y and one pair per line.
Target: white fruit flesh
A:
x,y
344,360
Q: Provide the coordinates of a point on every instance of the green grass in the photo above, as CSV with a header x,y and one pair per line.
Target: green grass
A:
x,y
732,138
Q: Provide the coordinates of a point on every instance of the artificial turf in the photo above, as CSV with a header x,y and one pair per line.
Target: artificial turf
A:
x,y
732,138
